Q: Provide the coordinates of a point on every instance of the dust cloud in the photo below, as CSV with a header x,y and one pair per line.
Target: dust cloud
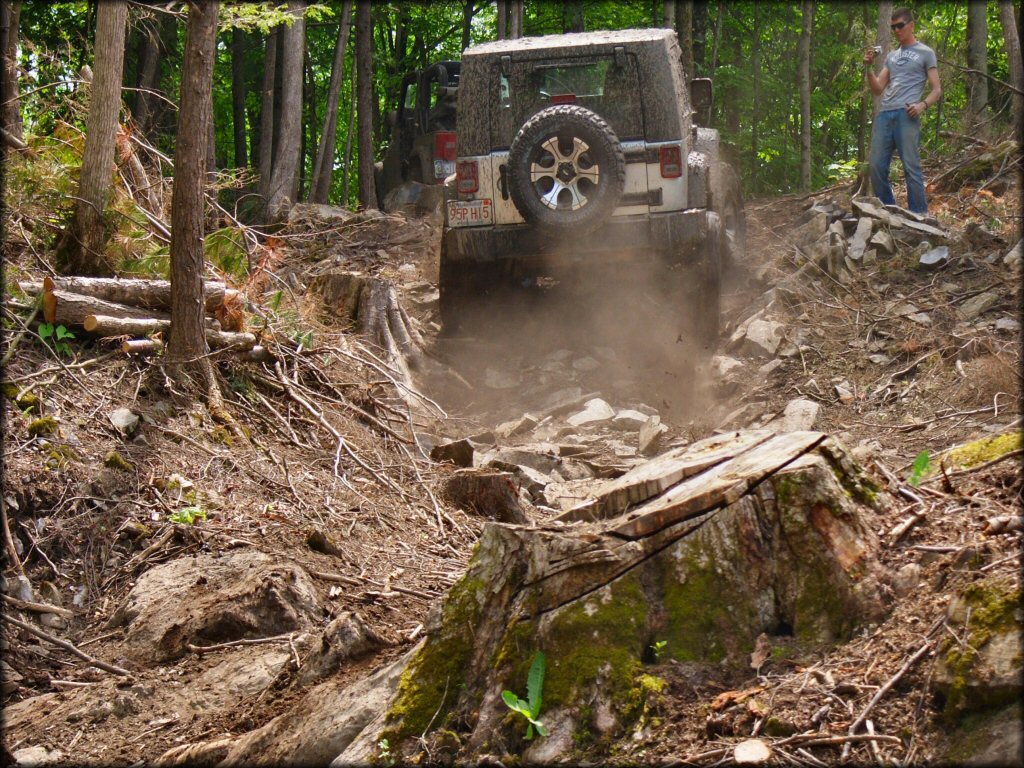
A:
x,y
617,331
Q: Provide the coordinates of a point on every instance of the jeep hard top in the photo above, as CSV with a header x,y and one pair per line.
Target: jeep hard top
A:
x,y
579,150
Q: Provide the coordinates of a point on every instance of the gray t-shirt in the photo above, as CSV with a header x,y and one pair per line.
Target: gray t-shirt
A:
x,y
908,72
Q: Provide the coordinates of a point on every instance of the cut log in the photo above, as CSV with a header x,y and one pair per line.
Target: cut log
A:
x,y
67,308
152,294
776,539
103,325
486,493
141,346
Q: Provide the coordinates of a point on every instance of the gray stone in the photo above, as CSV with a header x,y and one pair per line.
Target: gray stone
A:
x,y
907,579
1013,256
594,410
860,238
921,318
627,419
10,677
124,421
934,258
1007,324
458,452
36,756
585,364
523,424
649,439
879,359
815,227
762,338
770,367
883,240
978,305
724,367
498,379
798,415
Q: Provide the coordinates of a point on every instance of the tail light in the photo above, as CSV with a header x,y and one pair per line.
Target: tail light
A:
x,y
444,145
564,98
671,160
467,175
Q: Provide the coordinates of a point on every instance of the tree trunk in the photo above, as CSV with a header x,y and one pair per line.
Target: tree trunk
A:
x,y
105,326
883,37
238,48
1011,37
364,87
700,32
468,11
502,21
150,53
684,29
755,106
348,137
187,336
283,189
515,22
806,31
977,59
10,106
267,113
716,42
320,186
66,308
81,250
574,19
862,125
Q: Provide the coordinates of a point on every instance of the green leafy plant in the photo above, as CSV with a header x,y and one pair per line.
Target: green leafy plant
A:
x,y
57,337
187,515
658,647
919,468
530,708
386,755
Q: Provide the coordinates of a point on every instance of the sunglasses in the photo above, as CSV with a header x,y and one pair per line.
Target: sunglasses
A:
x,y
899,25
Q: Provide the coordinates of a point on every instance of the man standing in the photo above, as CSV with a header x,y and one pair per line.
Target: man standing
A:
x,y
898,125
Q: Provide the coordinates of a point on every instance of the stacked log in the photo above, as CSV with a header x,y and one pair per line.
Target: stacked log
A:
x,y
134,308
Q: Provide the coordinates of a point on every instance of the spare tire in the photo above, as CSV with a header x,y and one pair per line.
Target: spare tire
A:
x,y
566,169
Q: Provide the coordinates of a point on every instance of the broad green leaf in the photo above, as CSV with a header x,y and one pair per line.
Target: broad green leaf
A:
x,y
921,466
535,683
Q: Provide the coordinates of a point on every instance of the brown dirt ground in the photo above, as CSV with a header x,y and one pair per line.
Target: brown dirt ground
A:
x,y
400,547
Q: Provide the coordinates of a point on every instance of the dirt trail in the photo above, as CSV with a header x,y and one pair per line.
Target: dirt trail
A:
x,y
378,544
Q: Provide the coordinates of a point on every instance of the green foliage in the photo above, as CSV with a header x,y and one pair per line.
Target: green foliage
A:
x,y
187,515
920,468
530,709
658,647
56,337
225,249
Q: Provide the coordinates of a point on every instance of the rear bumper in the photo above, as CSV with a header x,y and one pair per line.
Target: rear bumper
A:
x,y
669,238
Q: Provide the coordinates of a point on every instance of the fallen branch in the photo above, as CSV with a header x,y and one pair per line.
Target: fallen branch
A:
x,y
136,292
960,472
68,308
27,605
201,649
91,660
883,690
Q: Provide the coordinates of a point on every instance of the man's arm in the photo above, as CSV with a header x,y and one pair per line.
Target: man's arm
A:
x,y
934,94
876,84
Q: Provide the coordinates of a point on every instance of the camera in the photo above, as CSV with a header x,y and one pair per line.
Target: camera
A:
x,y
877,49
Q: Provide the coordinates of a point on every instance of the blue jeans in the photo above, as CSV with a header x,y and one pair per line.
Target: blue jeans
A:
x,y
896,130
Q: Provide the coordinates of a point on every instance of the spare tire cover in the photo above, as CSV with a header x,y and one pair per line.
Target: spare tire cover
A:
x,y
566,169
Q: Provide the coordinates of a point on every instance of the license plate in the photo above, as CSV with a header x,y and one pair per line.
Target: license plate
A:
x,y
443,168
472,213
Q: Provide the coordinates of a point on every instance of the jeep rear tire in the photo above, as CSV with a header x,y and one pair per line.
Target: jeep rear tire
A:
x,y
566,169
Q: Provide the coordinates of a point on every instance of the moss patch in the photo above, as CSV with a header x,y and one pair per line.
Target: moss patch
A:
x,y
994,610
44,425
980,451
115,460
26,400
433,679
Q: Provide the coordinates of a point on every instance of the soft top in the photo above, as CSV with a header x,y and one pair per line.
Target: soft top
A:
x,y
570,39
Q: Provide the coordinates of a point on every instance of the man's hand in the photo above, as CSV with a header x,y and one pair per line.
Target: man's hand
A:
x,y
916,109
869,56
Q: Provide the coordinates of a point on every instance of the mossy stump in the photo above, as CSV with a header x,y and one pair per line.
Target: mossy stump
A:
x,y
773,535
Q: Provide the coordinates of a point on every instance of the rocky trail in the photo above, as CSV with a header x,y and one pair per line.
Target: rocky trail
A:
x,y
293,592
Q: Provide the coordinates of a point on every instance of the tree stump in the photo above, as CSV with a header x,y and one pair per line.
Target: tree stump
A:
x,y
699,551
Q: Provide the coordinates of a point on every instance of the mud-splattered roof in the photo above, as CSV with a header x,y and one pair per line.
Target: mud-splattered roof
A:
x,y
569,40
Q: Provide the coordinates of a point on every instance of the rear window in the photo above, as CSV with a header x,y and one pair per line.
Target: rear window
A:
x,y
599,83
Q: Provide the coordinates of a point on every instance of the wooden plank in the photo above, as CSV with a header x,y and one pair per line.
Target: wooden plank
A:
x,y
722,484
661,473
